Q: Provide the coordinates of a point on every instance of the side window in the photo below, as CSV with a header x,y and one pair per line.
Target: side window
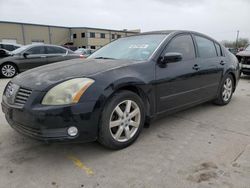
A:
x,y
36,50
218,49
8,47
182,44
15,47
206,48
55,50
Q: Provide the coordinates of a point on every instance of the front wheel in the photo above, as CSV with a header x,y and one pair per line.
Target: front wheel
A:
x,y
122,120
8,70
226,91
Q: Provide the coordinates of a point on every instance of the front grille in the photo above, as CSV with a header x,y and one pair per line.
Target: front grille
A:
x,y
22,96
245,60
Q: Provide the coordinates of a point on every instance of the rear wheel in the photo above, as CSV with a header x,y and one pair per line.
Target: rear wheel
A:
x,y
8,70
122,120
226,91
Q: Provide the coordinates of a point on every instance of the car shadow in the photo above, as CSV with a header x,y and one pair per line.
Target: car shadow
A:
x,y
31,150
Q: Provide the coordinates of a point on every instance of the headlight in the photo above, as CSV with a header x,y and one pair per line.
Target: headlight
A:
x,y
68,92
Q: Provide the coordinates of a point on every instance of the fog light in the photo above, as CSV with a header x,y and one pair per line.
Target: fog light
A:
x,y
72,131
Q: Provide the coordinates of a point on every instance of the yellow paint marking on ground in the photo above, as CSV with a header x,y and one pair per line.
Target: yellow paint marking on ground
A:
x,y
81,165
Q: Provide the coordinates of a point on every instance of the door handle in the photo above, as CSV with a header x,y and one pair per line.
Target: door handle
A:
x,y
222,62
196,67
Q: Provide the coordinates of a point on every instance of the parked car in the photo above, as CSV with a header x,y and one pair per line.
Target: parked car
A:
x,y
31,56
113,93
233,50
9,46
70,45
4,53
244,58
84,52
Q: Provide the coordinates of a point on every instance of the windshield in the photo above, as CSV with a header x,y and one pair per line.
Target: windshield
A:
x,y
138,48
248,48
80,50
18,50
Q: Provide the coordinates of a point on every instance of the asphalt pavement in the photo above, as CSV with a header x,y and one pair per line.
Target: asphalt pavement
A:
x,y
202,147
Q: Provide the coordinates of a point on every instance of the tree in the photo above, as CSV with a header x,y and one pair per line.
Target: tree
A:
x,y
242,42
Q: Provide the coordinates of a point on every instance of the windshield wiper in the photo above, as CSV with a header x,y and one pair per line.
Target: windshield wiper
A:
x,y
103,58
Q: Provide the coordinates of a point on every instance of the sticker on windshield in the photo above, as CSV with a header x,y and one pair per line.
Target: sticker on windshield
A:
x,y
139,46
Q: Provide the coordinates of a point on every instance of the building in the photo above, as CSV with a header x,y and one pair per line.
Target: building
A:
x,y
26,33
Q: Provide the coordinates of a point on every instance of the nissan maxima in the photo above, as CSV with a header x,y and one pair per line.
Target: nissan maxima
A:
x,y
31,56
115,92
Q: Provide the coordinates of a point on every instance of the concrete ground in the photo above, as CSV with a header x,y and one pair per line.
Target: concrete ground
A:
x,y
206,146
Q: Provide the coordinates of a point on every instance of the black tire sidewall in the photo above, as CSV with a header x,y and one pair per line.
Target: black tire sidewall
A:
x,y
105,136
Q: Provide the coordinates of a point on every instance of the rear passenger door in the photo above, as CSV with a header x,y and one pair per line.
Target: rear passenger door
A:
x,y
210,61
56,54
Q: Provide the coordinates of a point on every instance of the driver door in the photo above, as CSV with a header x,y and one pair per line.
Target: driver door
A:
x,y
177,83
35,56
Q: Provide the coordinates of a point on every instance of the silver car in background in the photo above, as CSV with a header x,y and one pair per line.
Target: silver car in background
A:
x,y
31,56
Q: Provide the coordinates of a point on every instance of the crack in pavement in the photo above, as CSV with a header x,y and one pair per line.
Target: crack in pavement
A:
x,y
238,156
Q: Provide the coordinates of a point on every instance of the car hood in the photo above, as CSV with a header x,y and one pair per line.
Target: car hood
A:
x,y
244,54
43,77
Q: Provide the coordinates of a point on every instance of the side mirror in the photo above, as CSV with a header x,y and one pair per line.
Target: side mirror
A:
x,y
25,54
170,57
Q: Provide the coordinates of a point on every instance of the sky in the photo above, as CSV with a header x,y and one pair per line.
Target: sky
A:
x,y
219,19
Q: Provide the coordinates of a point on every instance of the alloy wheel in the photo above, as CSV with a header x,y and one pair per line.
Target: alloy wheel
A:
x,y
227,89
125,120
8,71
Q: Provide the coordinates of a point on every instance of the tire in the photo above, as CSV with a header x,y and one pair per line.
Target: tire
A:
x,y
119,126
8,70
226,91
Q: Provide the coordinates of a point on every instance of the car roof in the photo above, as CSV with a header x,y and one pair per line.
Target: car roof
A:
x,y
41,44
14,44
172,32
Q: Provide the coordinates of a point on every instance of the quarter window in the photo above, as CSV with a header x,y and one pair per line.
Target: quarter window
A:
x,y
206,47
182,44
36,50
218,49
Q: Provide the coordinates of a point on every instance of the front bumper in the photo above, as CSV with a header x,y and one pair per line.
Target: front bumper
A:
x,y
50,123
245,68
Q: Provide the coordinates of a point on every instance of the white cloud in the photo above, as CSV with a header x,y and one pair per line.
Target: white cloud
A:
x,y
219,19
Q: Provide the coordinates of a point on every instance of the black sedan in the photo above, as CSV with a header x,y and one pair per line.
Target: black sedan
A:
x,y
31,56
4,53
110,96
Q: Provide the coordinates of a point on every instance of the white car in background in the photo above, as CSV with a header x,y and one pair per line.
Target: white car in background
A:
x,y
9,46
84,52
